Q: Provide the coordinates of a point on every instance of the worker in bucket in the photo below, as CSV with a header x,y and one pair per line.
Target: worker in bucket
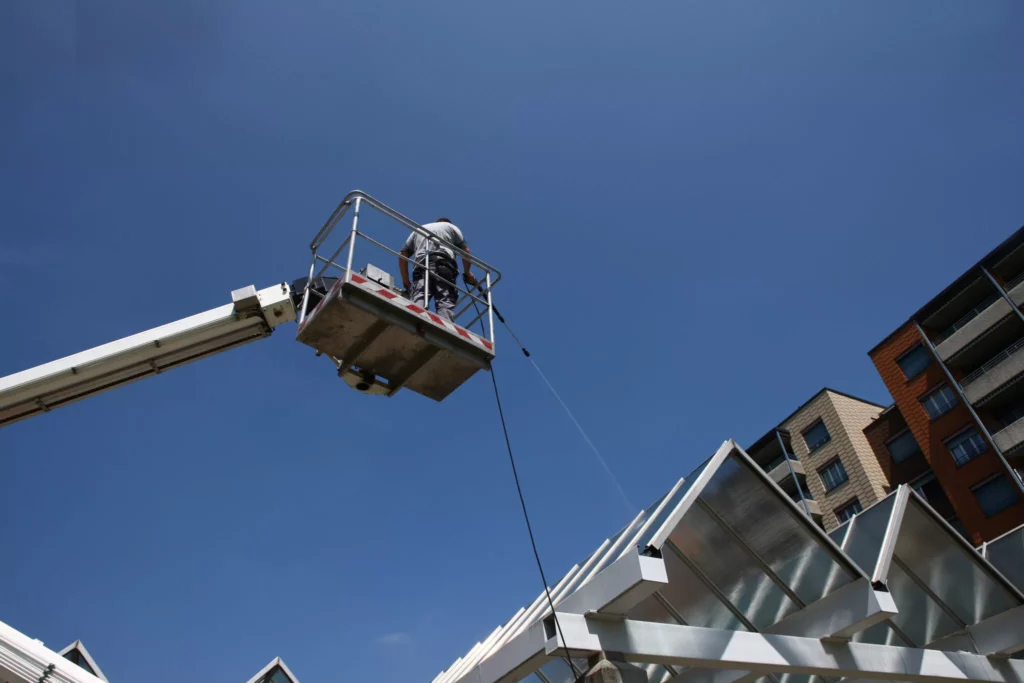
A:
x,y
440,261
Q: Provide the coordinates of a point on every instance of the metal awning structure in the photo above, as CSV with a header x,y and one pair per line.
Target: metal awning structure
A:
x,y
724,579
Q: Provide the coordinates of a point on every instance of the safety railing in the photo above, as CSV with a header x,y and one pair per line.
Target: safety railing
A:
x,y
993,362
966,318
477,297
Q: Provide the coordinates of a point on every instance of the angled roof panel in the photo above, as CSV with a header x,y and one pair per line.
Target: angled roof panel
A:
x,y
940,585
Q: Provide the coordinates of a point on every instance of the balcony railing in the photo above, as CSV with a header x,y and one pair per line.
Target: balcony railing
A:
x,y
1014,282
1008,426
967,317
993,362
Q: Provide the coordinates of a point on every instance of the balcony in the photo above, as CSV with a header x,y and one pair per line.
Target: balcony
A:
x,y
1001,369
1010,437
813,506
779,471
979,320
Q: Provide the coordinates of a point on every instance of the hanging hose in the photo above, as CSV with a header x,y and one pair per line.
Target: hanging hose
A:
x,y
529,527
604,464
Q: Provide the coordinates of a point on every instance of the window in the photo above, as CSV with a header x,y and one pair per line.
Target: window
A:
x,y
816,435
902,446
939,402
846,513
833,475
914,361
995,494
966,446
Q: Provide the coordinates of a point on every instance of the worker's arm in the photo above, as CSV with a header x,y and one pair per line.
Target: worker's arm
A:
x,y
403,267
466,265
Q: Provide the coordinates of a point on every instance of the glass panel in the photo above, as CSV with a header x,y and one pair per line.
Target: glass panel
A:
x,y
966,446
834,475
816,436
903,446
846,513
1007,555
867,533
939,402
914,361
951,571
919,616
996,495
279,676
691,599
76,657
777,535
731,569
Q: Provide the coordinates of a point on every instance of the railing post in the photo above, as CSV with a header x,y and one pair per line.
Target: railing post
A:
x,y
490,309
352,244
305,295
963,399
426,278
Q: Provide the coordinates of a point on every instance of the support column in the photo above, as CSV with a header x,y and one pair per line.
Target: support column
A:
x,y
607,667
789,463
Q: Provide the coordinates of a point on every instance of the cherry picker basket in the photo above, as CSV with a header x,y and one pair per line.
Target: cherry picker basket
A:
x,y
379,340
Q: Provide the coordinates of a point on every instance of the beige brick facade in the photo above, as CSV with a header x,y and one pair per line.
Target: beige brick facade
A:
x,y
845,419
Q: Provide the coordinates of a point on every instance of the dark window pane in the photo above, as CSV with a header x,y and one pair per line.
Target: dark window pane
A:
x,y
914,361
833,475
995,495
903,446
817,435
844,513
966,446
939,402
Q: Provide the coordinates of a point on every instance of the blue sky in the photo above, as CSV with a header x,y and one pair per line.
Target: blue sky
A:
x,y
705,212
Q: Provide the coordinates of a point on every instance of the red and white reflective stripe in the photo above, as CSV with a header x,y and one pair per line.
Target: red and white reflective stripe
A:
x,y
423,313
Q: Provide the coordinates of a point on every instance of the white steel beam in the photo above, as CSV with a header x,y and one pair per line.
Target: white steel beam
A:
x,y
620,587
759,653
1002,634
839,615
24,660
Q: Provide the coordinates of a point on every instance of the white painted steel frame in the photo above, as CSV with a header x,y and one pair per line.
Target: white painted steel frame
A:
x,y
24,660
763,653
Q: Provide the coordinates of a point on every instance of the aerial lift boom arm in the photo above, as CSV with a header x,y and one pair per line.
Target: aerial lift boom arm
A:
x,y
251,315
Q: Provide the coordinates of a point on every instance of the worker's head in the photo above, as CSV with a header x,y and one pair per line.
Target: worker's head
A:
x,y
443,219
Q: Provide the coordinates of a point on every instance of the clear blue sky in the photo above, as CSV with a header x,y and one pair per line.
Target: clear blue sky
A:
x,y
705,213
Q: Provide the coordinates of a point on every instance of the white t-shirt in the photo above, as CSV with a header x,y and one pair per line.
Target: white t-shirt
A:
x,y
417,244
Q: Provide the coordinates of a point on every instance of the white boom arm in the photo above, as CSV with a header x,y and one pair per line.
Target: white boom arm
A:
x,y
252,315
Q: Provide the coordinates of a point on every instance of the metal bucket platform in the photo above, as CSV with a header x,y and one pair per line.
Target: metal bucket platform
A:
x,y
368,327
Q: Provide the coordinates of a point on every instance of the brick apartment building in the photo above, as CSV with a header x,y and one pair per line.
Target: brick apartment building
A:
x,y
821,457
956,430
